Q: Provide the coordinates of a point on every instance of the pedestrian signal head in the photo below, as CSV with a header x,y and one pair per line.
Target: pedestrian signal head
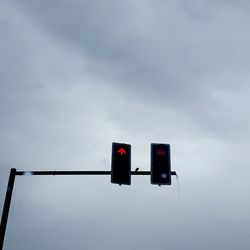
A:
x,y
160,164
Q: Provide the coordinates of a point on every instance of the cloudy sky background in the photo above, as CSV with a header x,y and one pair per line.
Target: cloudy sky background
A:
x,y
77,75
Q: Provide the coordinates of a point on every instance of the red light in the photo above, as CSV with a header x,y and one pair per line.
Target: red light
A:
x,y
160,151
121,151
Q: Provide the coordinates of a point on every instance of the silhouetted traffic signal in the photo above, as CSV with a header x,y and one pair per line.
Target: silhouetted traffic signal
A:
x,y
160,164
121,163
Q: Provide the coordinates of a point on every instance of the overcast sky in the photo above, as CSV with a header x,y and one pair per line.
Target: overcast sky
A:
x,y
76,76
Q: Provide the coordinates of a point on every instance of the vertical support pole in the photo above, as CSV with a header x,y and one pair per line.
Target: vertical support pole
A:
x,y
6,207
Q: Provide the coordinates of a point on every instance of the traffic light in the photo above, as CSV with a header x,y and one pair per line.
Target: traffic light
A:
x,y
160,164
121,163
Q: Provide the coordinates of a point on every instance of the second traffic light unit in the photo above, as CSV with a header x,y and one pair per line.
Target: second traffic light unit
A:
x,y
160,164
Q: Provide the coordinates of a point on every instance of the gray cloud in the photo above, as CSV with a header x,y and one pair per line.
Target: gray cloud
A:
x,y
161,51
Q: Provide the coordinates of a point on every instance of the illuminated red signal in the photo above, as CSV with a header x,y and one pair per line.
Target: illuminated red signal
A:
x,y
121,151
121,163
160,151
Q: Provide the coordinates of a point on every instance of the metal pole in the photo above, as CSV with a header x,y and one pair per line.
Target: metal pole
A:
x,y
6,206
79,173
